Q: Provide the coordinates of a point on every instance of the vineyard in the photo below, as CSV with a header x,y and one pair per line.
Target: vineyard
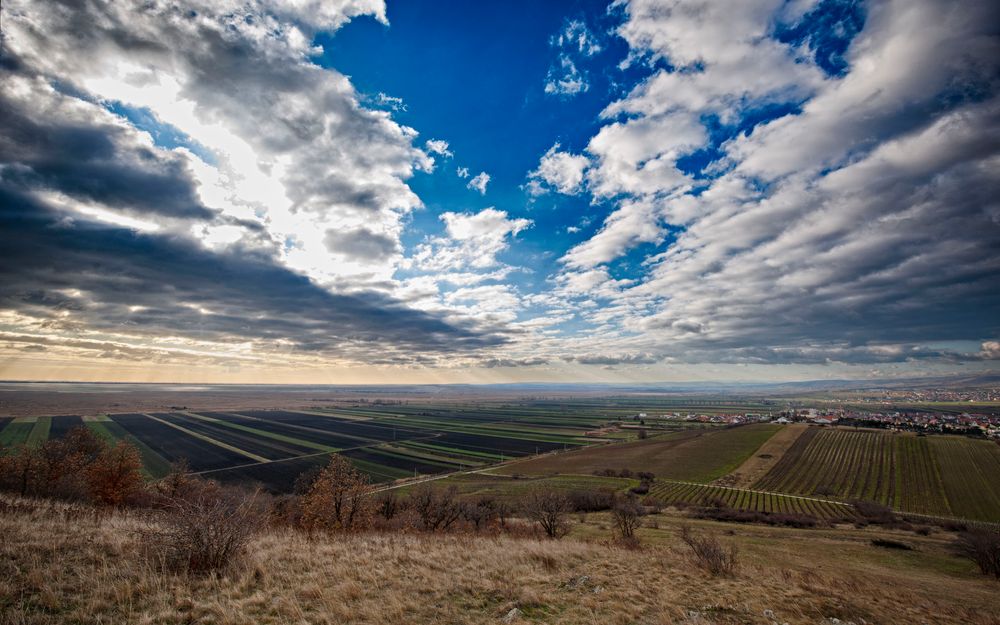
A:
x,y
670,493
936,476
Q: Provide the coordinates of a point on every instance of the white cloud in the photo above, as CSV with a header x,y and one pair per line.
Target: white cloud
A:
x,y
479,182
877,206
388,101
439,147
574,42
472,240
462,172
558,170
565,79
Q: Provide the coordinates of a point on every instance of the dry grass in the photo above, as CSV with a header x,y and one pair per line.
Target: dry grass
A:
x,y
62,566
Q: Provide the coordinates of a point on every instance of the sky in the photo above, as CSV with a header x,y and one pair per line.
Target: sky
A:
x,y
368,191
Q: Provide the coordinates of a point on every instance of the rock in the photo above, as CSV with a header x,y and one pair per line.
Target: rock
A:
x,y
514,615
768,613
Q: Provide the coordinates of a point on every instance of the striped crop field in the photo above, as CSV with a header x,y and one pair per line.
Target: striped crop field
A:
x,y
970,474
273,447
941,475
669,493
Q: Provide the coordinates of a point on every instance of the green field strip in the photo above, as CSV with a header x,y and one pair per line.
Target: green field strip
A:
x,y
16,433
154,465
451,450
278,437
425,455
380,470
40,432
386,451
209,439
477,428
362,442
334,414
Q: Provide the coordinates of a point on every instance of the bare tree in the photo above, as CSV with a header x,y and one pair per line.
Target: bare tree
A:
x,y
982,546
627,514
436,508
550,509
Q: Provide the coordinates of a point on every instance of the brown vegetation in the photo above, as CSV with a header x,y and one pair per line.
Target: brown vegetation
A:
x,y
550,509
982,546
710,554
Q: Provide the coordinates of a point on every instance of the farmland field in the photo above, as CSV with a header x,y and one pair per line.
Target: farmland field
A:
x,y
970,474
693,461
61,425
174,445
669,492
272,447
16,432
695,455
943,475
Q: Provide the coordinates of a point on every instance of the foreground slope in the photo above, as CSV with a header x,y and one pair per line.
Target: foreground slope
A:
x,y
65,565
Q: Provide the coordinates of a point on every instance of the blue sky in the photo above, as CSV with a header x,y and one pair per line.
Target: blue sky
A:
x,y
651,190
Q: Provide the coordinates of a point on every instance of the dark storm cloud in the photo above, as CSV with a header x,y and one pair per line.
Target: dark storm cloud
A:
x,y
361,244
244,294
58,143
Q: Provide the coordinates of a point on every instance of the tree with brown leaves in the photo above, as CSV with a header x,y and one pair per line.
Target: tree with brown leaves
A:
x,y
115,476
338,499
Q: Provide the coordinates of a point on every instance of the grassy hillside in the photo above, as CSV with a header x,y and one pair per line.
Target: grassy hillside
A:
x,y
63,565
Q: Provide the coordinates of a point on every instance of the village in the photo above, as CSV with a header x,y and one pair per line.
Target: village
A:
x,y
966,423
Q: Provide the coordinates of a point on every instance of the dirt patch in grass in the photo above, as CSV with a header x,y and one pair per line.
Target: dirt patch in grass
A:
x,y
757,465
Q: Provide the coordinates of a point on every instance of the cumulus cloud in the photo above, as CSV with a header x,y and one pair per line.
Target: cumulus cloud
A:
x,y
559,171
439,147
289,181
852,222
472,240
462,172
478,182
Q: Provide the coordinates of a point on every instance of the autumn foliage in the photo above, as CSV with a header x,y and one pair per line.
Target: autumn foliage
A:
x,y
77,467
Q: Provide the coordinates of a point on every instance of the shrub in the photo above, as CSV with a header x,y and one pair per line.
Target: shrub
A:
x,y
627,514
549,509
875,513
338,499
115,476
710,554
207,530
982,546
436,509
481,512
891,544
591,500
